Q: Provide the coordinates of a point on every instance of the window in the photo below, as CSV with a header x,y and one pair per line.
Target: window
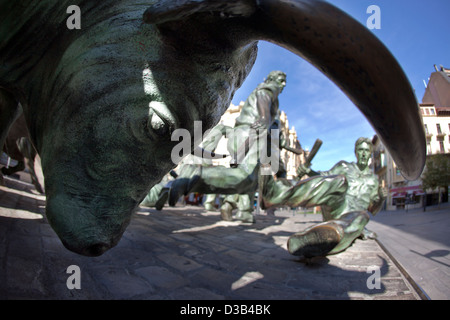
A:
x,y
383,160
426,128
441,146
428,111
438,127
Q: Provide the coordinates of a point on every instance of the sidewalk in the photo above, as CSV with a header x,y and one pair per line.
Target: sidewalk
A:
x,y
420,242
184,253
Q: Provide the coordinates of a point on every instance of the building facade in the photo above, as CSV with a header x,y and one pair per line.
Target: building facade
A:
x,y
435,112
402,194
291,160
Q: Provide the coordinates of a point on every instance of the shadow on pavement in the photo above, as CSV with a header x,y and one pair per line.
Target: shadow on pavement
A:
x,y
187,253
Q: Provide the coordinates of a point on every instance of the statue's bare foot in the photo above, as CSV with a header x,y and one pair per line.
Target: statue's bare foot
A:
x,y
245,216
226,211
367,234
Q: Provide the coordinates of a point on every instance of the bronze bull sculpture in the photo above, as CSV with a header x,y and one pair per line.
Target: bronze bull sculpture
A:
x,y
102,101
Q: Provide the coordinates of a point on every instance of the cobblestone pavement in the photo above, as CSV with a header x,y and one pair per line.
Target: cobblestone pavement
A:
x,y
185,253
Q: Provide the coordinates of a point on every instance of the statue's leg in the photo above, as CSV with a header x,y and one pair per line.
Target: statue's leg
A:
x,y
182,185
152,197
329,192
209,201
328,237
10,110
245,208
326,191
229,204
368,234
353,224
162,198
29,153
219,179
281,173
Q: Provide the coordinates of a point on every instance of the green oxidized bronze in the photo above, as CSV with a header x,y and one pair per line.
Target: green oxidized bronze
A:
x,y
159,193
258,114
344,223
239,182
189,165
101,102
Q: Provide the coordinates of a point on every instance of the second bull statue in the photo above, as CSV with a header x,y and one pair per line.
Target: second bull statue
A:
x,y
102,101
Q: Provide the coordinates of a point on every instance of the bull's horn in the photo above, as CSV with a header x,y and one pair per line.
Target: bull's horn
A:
x,y
170,10
340,47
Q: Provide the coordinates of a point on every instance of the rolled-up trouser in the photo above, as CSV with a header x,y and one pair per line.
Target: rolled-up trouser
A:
x,y
328,191
244,146
152,196
353,224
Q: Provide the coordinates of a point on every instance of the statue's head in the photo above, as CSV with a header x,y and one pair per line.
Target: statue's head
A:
x,y
277,78
363,151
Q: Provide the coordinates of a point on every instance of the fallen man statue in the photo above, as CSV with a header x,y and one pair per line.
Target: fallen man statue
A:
x,y
341,227
102,101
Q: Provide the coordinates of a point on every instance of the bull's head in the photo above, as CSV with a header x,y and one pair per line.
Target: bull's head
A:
x,y
102,102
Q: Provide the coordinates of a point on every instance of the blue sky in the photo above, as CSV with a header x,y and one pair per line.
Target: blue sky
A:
x,y
416,33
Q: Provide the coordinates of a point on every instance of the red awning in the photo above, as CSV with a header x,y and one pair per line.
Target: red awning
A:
x,y
406,189
399,195
403,191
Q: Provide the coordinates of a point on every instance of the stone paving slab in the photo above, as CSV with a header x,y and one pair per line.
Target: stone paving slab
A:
x,y
420,242
184,253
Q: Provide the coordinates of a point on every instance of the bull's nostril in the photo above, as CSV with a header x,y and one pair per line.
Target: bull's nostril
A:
x,y
96,249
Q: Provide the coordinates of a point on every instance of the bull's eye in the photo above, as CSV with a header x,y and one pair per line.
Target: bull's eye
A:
x,y
161,122
157,125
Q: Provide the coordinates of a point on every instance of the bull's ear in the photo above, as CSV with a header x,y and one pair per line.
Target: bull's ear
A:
x,y
171,10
